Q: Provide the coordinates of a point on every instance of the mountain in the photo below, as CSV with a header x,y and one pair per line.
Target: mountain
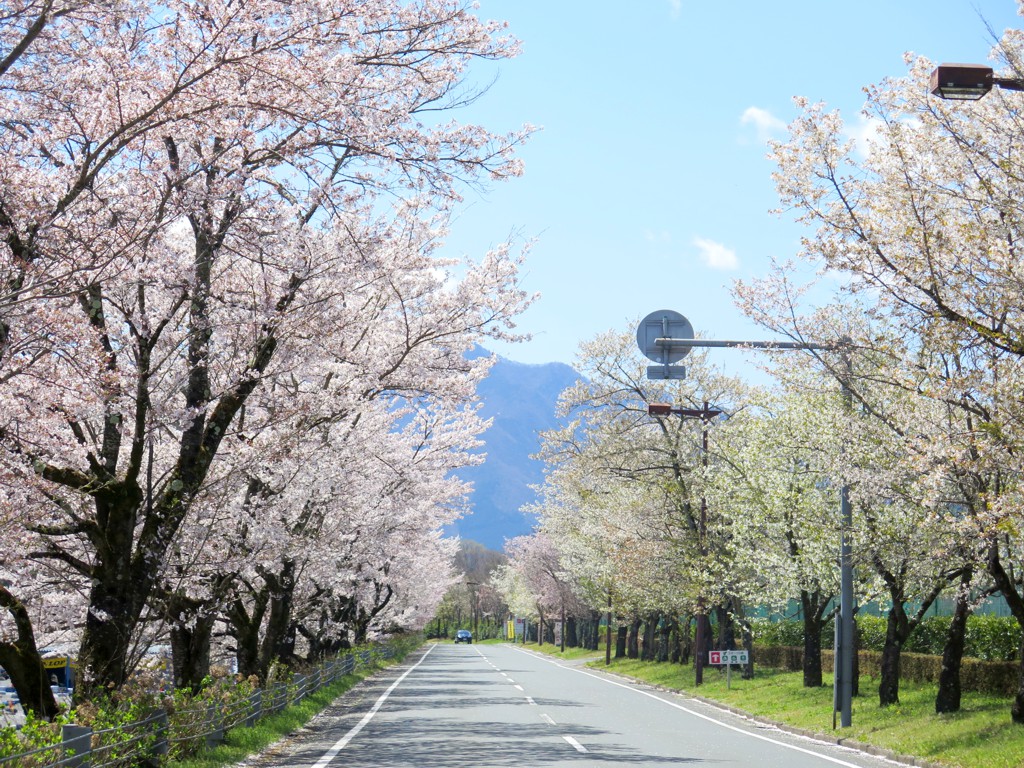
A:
x,y
521,400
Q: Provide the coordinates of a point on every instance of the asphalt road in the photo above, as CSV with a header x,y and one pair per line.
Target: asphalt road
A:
x,y
497,705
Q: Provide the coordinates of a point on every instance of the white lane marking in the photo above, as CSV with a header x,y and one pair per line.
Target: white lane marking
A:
x,y
518,687
354,731
506,675
710,719
547,719
576,745
530,701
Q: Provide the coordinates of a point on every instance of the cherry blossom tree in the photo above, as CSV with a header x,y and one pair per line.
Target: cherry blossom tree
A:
x,y
925,224
625,491
184,187
538,565
773,482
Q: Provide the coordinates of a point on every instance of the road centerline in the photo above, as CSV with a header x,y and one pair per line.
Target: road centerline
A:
x,y
575,744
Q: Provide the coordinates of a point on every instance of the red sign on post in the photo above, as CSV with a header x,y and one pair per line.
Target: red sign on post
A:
x,y
727,657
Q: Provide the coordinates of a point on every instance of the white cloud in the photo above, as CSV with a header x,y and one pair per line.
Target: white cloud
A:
x,y
676,8
715,255
765,123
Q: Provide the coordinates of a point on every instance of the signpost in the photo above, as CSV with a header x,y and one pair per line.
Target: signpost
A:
x,y
728,658
664,324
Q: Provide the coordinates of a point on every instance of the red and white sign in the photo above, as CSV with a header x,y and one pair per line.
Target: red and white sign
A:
x,y
727,657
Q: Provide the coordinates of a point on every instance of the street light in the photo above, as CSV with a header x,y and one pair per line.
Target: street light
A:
x,y
969,82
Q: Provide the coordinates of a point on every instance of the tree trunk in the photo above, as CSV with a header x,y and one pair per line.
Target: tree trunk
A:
x,y
1017,708
665,639
648,652
572,638
633,643
675,649
748,645
813,617
685,641
899,627
191,631
594,631
889,685
23,663
110,623
279,638
245,629
620,642
1008,587
190,652
947,699
726,630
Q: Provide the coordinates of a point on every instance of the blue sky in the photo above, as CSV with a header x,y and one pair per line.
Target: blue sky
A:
x,y
648,187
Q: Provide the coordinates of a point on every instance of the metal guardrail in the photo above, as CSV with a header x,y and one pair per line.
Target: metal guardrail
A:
x,y
148,742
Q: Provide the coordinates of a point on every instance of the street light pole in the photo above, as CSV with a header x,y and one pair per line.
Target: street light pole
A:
x,y
843,664
608,631
662,349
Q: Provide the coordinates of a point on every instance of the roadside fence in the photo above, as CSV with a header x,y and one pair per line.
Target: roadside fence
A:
x,y
166,734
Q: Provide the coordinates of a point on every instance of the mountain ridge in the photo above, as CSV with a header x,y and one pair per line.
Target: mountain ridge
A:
x,y
520,399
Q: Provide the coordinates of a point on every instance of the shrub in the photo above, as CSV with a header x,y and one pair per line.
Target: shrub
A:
x,y
227,700
993,638
988,638
785,632
871,630
34,734
930,636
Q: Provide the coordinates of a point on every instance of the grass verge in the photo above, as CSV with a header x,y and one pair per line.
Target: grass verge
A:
x,y
240,743
981,735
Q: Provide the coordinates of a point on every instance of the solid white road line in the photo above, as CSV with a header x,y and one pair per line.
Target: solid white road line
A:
x,y
745,732
344,740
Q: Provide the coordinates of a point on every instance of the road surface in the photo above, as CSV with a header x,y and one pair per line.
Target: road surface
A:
x,y
471,706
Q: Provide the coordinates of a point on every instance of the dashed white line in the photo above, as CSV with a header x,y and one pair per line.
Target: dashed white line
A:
x,y
530,701
547,719
518,687
576,745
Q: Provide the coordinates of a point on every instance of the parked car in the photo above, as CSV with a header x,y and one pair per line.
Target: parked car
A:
x,y
463,636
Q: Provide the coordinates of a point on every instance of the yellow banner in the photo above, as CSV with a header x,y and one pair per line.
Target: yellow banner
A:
x,y
57,663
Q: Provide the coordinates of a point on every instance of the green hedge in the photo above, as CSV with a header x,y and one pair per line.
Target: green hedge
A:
x,y
994,677
989,638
